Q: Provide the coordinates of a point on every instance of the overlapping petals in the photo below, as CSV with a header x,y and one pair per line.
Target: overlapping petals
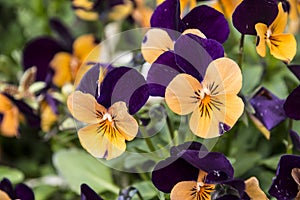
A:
x,y
21,191
285,184
214,103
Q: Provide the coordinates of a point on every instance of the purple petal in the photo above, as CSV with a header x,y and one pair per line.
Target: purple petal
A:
x,y
295,69
187,146
250,12
161,72
63,32
167,15
53,103
295,139
124,84
209,21
6,186
292,104
237,184
169,172
268,108
193,54
88,193
284,186
23,192
39,52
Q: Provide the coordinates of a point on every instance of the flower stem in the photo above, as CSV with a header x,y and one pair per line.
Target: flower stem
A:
x,y
241,51
170,128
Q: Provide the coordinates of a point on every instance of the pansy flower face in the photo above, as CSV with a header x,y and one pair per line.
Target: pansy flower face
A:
x,y
282,46
286,183
107,114
213,102
191,172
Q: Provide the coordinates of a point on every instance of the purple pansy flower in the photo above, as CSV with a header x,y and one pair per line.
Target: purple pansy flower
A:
x,y
250,12
268,108
285,185
88,193
21,191
192,172
292,104
203,18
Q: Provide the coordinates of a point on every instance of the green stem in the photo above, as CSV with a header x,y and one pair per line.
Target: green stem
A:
x,y
147,139
241,51
170,128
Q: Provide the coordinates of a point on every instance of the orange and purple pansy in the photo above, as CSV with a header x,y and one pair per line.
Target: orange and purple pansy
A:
x,y
197,173
21,191
287,180
108,113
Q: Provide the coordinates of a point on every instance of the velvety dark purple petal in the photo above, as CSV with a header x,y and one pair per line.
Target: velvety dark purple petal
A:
x,y
209,21
1,117
161,72
284,186
295,139
23,192
169,172
63,32
295,69
292,104
39,52
6,186
187,146
237,184
32,118
250,12
88,193
167,15
193,54
268,108
124,84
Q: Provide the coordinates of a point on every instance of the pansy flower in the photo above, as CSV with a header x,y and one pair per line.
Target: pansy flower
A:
x,y
250,12
253,189
191,172
268,110
204,18
108,114
286,182
21,191
65,60
88,193
282,46
213,102
226,7
292,103
294,16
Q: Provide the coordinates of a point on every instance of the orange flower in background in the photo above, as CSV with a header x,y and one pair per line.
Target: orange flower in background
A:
x,y
226,6
9,117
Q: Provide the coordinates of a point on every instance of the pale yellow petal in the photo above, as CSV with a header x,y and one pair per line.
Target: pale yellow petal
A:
x,y
283,47
155,43
184,190
296,175
61,64
4,195
123,121
223,76
234,108
10,122
261,30
106,144
253,190
180,94
195,32
85,108
260,127
280,21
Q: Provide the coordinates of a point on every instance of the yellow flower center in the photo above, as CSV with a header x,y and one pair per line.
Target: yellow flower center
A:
x,y
203,190
269,33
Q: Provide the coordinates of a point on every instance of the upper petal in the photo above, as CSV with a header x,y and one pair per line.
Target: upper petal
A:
x,y
180,94
84,107
83,45
208,20
61,64
280,22
292,102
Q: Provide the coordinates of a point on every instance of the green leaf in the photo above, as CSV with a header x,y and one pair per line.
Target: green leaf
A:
x,y
271,162
14,175
146,189
78,167
245,162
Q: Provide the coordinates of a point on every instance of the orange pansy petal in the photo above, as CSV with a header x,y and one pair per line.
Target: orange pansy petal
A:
x,y
180,94
100,144
4,195
121,11
86,15
283,47
253,190
234,108
280,21
48,117
85,108
5,103
226,6
184,190
83,45
225,75
123,121
61,64
261,30
10,122
155,43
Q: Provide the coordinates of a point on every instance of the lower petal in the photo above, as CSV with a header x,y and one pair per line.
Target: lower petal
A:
x,y
283,47
261,30
184,190
101,144
4,196
10,123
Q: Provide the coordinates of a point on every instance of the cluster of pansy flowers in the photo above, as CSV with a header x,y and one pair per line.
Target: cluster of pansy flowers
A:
x,y
189,69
